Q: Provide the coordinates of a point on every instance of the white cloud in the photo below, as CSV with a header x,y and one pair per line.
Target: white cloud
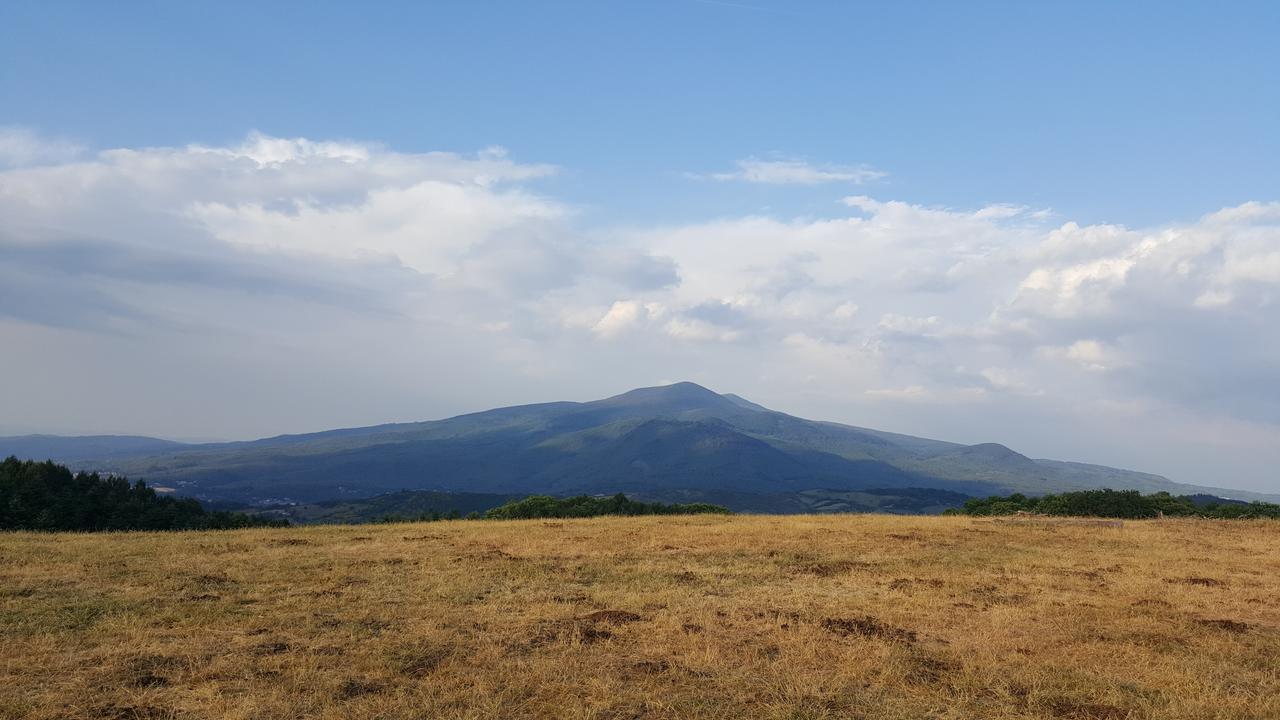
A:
x,y
796,172
1006,380
1089,354
311,284
684,328
907,325
21,147
845,311
910,392
622,315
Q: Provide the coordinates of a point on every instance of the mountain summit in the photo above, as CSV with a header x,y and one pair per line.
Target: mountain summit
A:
x,y
671,442
674,398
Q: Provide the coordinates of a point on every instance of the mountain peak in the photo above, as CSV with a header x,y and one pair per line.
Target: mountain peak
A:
x,y
684,389
992,452
677,396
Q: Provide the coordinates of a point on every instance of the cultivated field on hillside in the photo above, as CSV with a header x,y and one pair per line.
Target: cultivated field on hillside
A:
x,y
653,617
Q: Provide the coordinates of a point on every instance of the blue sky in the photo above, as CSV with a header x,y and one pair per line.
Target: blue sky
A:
x,y
1055,226
1107,112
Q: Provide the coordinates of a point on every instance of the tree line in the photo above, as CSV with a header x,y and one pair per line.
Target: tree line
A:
x,y
47,496
425,516
545,506
1118,504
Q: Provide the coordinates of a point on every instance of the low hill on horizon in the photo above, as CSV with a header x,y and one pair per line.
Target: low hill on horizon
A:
x,y
673,443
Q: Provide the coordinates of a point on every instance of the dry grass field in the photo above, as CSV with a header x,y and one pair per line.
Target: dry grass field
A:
x,y
658,617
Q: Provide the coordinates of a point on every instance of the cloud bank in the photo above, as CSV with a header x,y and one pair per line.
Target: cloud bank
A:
x,y
286,284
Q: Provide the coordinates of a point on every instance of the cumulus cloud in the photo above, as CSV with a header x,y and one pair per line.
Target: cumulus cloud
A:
x,y
622,315
796,172
287,284
281,215
692,328
1088,354
996,306
21,147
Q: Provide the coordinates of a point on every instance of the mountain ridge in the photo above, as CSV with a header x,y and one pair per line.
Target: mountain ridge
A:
x,y
657,442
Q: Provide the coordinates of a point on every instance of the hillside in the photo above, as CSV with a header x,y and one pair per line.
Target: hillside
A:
x,y
406,504
48,497
665,443
705,617
414,503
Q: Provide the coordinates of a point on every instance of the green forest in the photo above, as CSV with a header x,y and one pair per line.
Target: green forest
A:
x,y
1118,504
545,506
47,496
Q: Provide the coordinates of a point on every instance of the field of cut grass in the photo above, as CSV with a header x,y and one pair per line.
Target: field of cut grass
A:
x,y
653,617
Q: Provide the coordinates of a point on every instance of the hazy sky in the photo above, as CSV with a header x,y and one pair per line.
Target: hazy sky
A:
x,y
1056,228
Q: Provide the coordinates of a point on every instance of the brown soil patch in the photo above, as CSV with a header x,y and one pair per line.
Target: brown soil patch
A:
x,y
612,617
1228,625
1201,581
355,688
869,626
652,667
272,648
549,631
150,671
420,660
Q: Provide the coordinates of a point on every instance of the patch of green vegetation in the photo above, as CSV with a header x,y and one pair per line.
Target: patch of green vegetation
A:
x,y
427,516
403,506
59,611
47,496
545,506
1118,504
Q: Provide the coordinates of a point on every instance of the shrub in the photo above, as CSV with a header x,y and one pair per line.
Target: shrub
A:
x,y
1119,504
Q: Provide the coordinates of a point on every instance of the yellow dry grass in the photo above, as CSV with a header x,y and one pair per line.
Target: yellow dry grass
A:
x,y
694,617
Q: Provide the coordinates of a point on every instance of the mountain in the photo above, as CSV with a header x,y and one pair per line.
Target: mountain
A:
x,y
677,443
84,447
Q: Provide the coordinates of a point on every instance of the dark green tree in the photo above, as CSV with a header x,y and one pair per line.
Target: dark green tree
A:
x,y
48,496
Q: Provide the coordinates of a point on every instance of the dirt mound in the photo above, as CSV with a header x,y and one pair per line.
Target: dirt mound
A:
x,y
550,631
869,626
1201,581
612,617
355,688
1234,626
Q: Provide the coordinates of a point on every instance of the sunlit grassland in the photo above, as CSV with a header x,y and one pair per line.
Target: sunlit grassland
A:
x,y
653,617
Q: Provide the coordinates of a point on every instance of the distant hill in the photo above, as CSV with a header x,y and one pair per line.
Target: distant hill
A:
x,y
674,443
84,447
